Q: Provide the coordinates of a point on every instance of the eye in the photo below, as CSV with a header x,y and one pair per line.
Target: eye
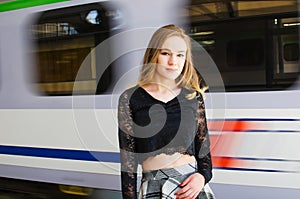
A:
x,y
165,53
181,55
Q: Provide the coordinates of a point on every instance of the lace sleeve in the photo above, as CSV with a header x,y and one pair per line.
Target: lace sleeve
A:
x,y
202,143
127,149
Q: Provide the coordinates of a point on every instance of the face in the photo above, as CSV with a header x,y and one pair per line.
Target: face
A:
x,y
171,58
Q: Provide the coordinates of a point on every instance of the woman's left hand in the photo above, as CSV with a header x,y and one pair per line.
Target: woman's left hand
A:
x,y
191,187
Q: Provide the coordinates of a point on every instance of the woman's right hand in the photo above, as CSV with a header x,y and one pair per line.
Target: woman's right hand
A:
x,y
191,187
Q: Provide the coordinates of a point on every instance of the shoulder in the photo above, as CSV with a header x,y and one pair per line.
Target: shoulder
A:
x,y
193,95
130,90
129,93
200,100
200,96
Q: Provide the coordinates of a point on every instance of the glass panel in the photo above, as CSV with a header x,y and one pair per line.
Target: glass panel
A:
x,y
245,53
66,41
291,52
255,44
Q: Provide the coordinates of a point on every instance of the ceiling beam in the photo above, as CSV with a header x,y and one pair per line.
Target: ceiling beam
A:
x,y
199,2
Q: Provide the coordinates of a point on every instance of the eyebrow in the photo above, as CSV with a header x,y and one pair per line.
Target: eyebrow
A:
x,y
180,51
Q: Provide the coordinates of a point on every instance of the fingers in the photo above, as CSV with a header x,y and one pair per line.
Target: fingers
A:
x,y
191,187
185,182
182,191
188,194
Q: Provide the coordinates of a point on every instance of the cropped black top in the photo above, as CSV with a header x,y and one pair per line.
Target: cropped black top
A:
x,y
148,127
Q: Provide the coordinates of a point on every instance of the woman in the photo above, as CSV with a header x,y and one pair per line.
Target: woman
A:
x,y
162,124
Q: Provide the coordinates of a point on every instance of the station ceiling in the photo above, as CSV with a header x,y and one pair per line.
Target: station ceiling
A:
x,y
200,10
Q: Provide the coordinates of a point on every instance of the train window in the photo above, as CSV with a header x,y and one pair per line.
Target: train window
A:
x,y
245,53
256,48
66,41
291,52
258,57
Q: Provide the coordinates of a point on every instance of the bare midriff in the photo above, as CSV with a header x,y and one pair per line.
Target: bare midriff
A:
x,y
163,161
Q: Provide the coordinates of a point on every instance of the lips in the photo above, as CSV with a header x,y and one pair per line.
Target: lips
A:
x,y
171,69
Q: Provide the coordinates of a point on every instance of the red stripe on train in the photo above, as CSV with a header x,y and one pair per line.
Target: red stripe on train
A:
x,y
227,162
227,141
230,125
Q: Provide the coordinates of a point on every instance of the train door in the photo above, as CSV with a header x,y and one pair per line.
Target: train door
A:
x,y
286,46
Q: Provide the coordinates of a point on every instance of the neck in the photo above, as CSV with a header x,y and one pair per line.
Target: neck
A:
x,y
162,89
165,84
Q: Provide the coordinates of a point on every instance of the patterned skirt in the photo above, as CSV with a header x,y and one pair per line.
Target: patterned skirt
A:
x,y
163,183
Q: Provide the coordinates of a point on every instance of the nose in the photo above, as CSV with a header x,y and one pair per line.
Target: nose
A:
x,y
173,59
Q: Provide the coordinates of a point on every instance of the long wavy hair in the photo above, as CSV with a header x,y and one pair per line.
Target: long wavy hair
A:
x,y
189,77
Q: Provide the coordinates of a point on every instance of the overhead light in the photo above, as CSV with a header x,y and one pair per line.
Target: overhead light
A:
x,y
93,17
208,42
291,24
203,33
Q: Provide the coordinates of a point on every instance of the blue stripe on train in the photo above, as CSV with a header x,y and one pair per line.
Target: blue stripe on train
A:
x,y
113,157
61,153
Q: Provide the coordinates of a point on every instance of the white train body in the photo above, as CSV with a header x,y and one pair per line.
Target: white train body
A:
x,y
72,139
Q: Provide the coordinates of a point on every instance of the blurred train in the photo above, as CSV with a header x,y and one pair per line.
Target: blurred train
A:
x,y
64,63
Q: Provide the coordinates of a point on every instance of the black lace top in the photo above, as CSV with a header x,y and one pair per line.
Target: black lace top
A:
x,y
148,127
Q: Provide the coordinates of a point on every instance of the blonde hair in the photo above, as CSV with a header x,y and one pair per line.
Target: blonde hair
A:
x,y
189,77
